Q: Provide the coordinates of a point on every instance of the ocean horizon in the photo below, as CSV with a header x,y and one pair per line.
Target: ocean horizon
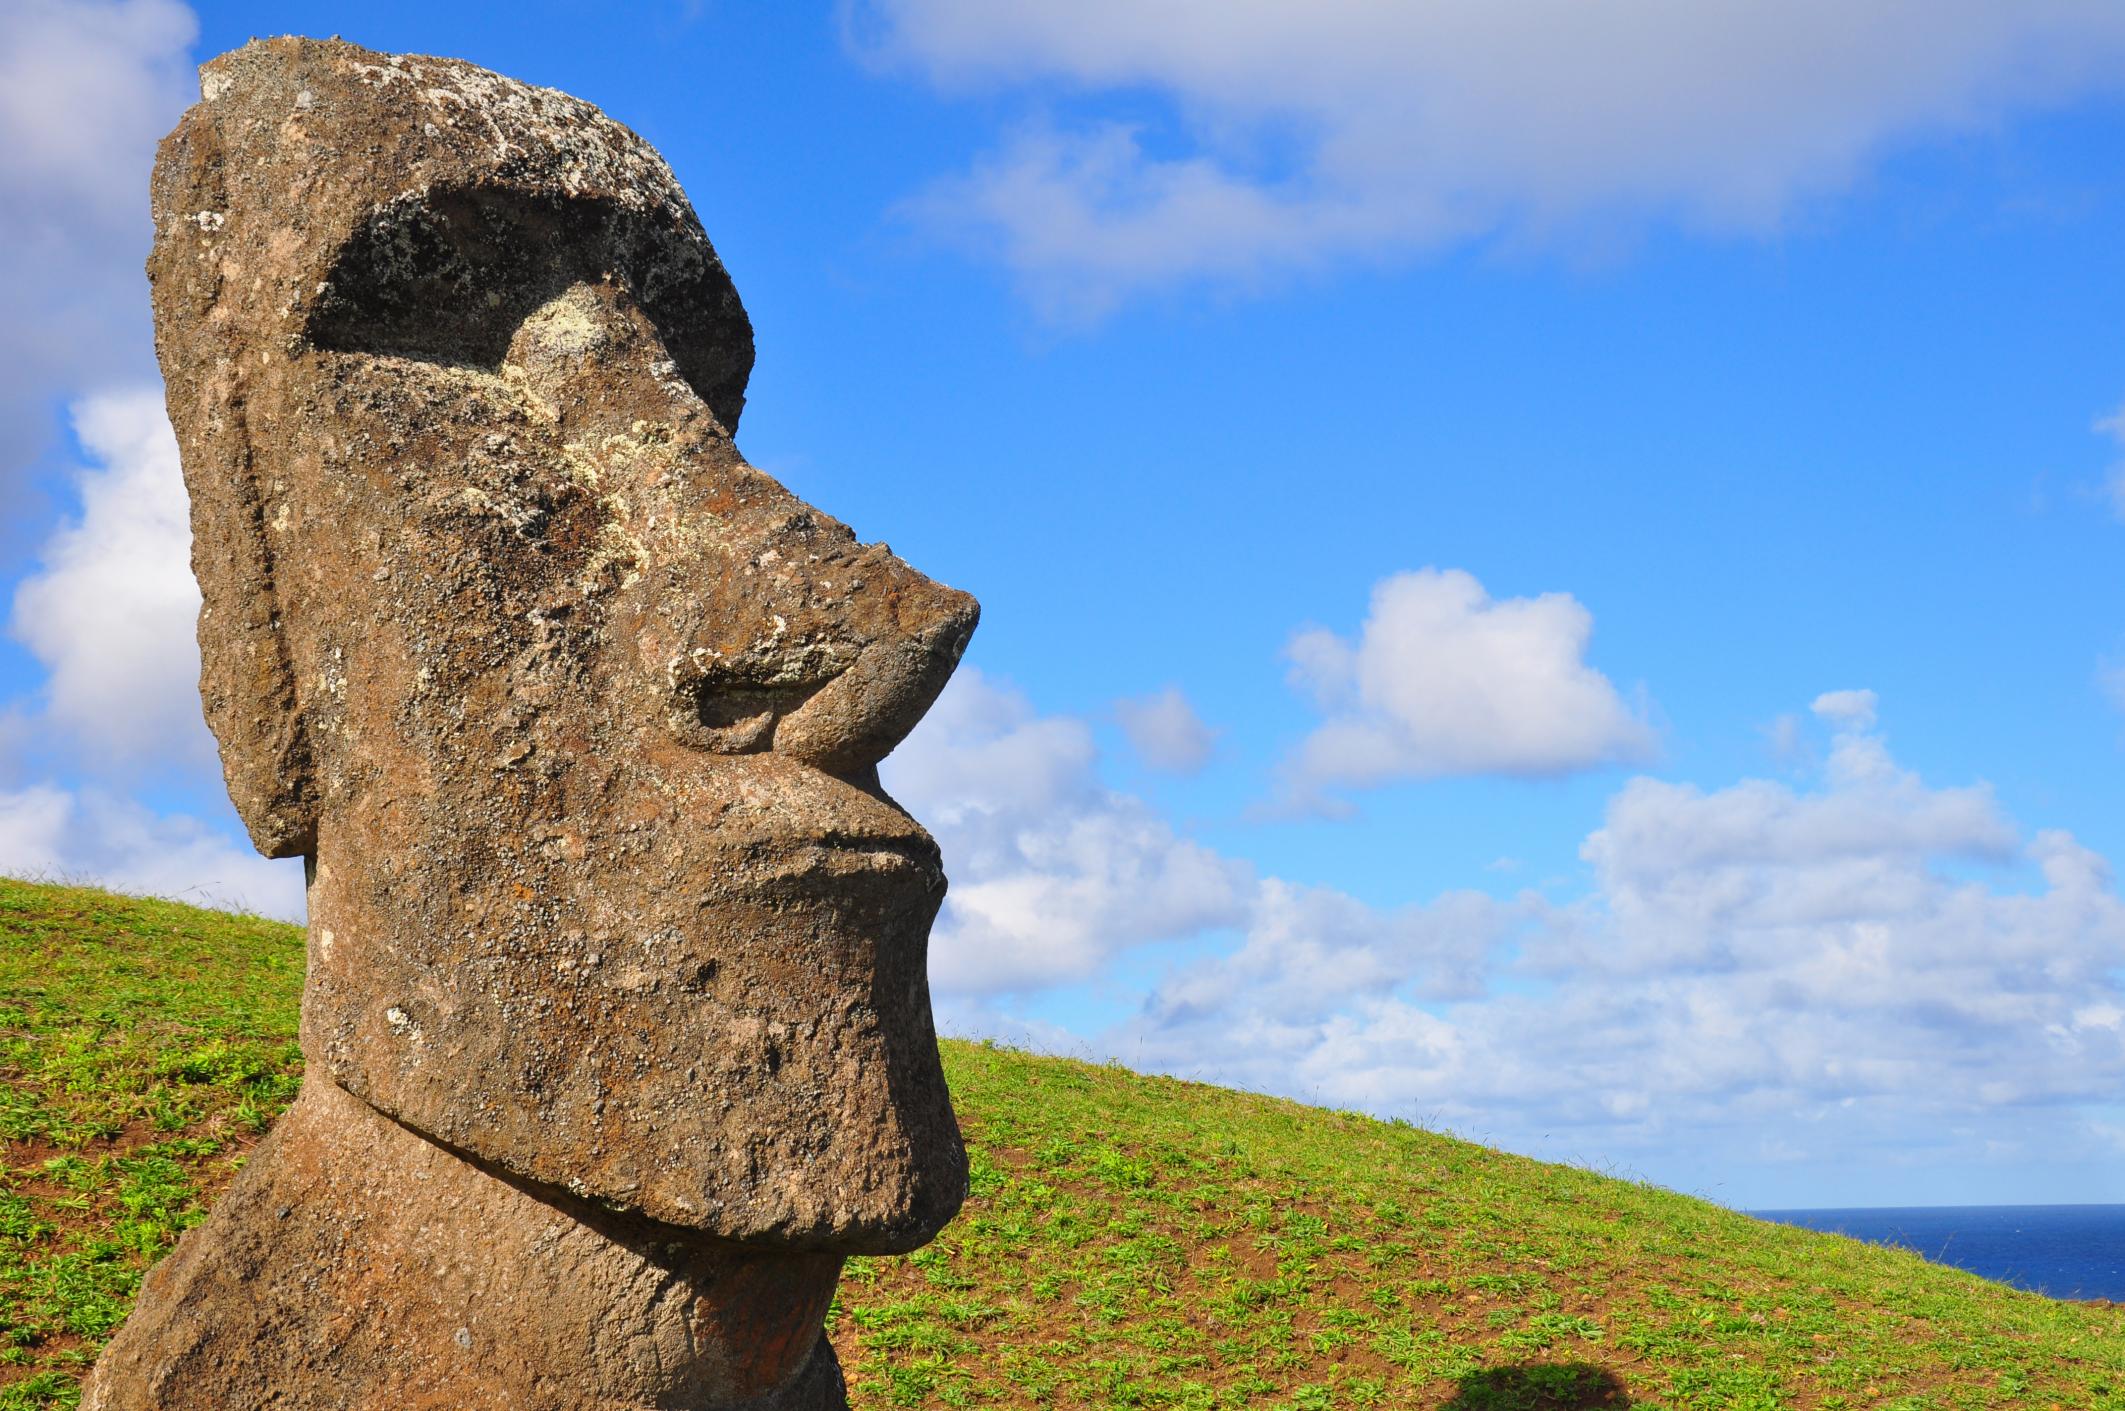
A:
x,y
2061,1251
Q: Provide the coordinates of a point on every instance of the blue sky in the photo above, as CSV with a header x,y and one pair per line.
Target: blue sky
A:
x,y
1552,570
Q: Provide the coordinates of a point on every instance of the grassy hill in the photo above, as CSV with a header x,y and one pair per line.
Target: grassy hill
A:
x,y
1131,1241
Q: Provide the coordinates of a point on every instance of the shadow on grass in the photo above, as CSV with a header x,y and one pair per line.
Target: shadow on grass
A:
x,y
1560,1386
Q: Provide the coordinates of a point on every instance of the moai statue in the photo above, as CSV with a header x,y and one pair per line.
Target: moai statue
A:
x,y
617,1026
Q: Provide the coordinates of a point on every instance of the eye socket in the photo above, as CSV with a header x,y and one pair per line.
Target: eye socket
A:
x,y
449,276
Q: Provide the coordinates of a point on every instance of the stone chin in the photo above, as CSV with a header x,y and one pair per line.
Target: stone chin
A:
x,y
715,1014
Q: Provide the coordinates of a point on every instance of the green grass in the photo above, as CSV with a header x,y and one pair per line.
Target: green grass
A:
x,y
1130,1241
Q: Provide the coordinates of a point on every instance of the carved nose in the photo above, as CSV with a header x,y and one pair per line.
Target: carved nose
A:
x,y
914,645
771,626
832,667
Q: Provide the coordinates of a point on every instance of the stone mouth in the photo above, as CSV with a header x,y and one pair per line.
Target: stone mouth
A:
x,y
860,855
921,849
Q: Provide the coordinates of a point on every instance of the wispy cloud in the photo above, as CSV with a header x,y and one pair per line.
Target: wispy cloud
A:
x,y
2110,680
1166,732
2113,426
1351,128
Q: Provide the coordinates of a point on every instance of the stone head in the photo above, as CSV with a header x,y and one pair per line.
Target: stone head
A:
x,y
575,715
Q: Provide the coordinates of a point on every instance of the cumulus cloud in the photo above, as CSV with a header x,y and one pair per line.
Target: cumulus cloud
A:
x,y
1812,964
1358,128
110,609
87,87
109,612
53,834
1166,732
1444,680
1691,879
1053,875
1849,968
1321,950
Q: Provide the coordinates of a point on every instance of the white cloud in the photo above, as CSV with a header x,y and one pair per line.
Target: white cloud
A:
x,y
54,834
1166,731
1321,949
1691,879
1445,680
87,88
1849,710
110,611
1361,128
1857,970
1052,874
1756,962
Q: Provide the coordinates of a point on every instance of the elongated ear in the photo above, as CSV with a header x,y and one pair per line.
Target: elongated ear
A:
x,y
247,681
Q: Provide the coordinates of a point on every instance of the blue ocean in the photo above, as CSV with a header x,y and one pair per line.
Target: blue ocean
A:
x,y
2067,1251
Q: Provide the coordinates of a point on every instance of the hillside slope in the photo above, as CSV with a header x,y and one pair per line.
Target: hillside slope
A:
x,y
1131,1241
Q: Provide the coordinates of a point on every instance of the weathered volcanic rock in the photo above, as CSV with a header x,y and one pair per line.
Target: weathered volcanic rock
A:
x,y
574,714
357,1264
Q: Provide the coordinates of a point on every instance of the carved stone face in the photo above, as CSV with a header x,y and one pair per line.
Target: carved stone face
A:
x,y
576,713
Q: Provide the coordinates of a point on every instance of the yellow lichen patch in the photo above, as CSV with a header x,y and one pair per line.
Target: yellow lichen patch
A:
x,y
615,548
518,381
581,468
569,326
